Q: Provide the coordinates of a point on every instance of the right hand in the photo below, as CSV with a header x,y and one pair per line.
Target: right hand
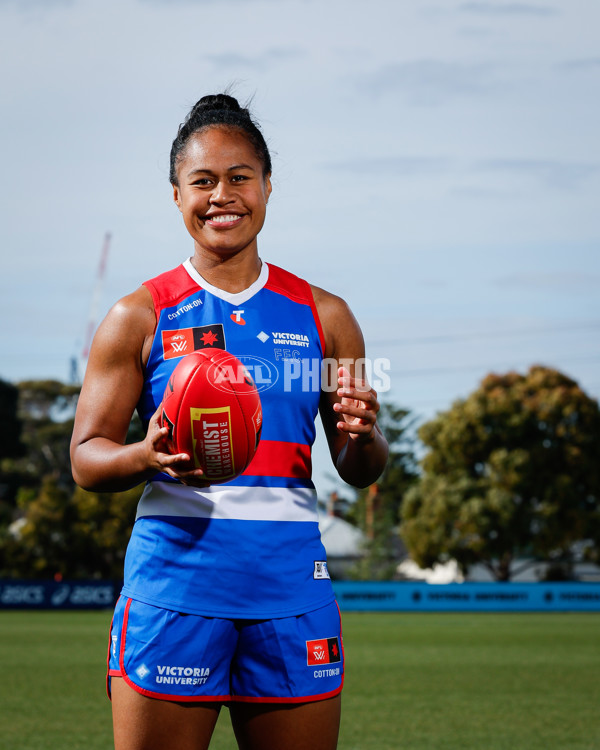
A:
x,y
176,465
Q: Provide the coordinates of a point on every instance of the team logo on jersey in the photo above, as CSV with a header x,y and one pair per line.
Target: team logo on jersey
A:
x,y
323,651
185,340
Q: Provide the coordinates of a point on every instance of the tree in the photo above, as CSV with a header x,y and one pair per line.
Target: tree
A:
x,y
46,410
511,471
10,435
11,447
47,525
376,510
72,535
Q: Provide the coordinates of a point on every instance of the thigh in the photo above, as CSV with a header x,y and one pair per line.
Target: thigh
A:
x,y
143,723
305,726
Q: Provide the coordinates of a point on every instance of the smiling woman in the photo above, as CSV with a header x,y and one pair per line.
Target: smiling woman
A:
x,y
221,192
227,599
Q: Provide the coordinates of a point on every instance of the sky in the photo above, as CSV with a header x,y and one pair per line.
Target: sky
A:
x,y
436,164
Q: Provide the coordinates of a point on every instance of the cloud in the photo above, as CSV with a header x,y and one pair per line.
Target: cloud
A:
x,y
260,62
556,174
433,82
507,9
398,166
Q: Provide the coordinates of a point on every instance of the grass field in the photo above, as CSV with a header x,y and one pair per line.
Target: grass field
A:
x,y
413,682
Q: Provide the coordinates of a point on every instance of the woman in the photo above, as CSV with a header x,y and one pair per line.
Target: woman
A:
x,y
227,599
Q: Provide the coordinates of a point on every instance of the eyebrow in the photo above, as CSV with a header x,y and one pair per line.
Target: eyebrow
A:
x,y
229,169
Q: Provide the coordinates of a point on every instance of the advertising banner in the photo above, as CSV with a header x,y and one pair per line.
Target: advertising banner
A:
x,y
352,596
17,594
359,596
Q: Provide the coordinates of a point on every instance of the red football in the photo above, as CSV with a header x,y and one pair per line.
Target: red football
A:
x,y
213,412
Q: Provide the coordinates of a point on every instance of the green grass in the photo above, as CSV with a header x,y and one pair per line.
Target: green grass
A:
x,y
413,682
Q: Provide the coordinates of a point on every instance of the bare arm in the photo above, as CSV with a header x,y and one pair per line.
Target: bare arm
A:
x,y
349,415
112,386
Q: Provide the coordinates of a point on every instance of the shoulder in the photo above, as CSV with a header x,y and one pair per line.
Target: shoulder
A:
x,y
171,286
288,284
330,305
135,307
128,325
340,328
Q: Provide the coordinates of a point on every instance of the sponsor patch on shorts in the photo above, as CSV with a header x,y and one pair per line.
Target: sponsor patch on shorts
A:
x,y
323,651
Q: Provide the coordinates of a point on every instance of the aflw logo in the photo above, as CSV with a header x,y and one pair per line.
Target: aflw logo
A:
x,y
179,346
185,340
323,651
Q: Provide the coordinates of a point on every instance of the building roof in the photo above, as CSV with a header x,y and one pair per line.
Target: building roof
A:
x,y
340,538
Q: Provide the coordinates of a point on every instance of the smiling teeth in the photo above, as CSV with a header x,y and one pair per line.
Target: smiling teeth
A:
x,y
223,219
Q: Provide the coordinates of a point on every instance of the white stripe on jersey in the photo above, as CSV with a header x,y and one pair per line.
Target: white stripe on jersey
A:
x,y
240,503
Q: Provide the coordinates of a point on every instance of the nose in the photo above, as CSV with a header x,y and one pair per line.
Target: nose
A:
x,y
221,193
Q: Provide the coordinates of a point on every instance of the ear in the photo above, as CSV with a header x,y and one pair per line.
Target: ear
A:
x,y
176,196
268,187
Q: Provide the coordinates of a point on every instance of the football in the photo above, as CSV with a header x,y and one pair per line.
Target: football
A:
x,y
212,410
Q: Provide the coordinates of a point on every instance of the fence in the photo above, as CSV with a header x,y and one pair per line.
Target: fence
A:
x,y
357,596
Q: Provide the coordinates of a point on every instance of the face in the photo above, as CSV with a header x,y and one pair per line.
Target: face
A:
x,y
222,192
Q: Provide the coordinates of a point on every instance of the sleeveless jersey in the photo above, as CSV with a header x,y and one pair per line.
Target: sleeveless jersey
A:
x,y
249,548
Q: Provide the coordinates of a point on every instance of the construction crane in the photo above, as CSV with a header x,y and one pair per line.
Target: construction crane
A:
x,y
93,314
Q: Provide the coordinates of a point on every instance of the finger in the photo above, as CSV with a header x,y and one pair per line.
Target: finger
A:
x,y
159,433
185,472
354,408
353,395
356,429
354,384
192,476
345,379
172,459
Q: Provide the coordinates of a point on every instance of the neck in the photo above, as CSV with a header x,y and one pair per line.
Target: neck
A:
x,y
231,274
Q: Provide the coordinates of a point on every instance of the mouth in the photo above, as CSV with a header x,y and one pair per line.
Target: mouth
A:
x,y
223,220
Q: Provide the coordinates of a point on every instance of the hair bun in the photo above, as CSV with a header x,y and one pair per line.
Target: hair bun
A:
x,y
218,102
218,110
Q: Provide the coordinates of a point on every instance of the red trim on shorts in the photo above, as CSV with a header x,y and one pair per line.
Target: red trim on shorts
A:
x,y
301,699
152,693
109,672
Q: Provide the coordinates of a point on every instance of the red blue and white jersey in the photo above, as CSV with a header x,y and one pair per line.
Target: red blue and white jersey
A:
x,y
249,548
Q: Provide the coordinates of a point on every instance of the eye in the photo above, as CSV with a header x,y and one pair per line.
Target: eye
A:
x,y
239,178
202,182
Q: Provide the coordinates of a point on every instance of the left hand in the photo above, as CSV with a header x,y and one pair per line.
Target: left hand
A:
x,y
358,407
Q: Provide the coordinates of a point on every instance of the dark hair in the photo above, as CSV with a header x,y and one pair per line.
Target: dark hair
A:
x,y
215,110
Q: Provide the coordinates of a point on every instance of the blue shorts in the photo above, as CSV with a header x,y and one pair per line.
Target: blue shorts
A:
x,y
180,657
